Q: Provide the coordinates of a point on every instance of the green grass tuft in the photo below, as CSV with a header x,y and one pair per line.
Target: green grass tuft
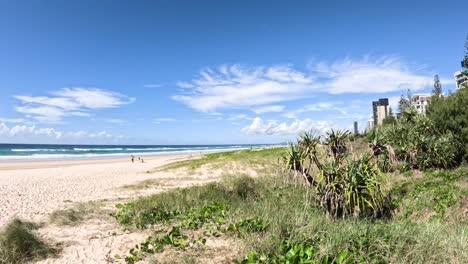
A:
x,y
77,214
19,243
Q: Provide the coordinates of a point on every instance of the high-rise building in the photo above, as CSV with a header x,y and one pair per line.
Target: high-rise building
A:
x,y
420,102
356,129
370,123
380,110
460,79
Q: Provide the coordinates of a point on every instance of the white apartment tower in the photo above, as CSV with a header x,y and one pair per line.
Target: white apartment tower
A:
x,y
380,110
460,79
420,102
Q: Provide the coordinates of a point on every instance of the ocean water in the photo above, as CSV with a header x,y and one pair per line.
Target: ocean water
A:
x,y
12,152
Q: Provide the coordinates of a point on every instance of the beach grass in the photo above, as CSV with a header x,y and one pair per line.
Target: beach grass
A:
x,y
78,213
282,216
19,243
261,157
149,183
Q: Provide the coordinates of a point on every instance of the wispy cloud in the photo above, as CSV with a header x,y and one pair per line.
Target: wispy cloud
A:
x,y
241,87
272,127
239,116
234,87
310,108
184,85
269,108
371,75
12,120
69,102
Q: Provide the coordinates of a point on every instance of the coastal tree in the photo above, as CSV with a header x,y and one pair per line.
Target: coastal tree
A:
x,y
405,102
390,119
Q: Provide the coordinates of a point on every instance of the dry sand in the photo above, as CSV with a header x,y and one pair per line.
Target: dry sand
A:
x,y
32,190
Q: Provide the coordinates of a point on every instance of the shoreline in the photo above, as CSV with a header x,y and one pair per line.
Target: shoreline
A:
x,y
109,156
7,165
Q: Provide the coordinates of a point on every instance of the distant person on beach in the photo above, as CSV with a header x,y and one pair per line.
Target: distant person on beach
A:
x,y
133,158
142,161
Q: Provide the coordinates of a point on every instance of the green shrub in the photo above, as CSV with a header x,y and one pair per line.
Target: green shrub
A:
x,y
243,187
414,141
19,243
293,253
450,114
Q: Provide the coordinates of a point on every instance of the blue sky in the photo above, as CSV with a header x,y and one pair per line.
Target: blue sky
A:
x,y
212,72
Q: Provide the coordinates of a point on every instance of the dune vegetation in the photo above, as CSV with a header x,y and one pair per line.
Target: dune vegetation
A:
x,y
278,219
396,195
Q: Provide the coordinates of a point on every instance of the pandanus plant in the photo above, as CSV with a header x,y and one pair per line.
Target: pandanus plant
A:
x,y
382,153
337,143
343,187
302,156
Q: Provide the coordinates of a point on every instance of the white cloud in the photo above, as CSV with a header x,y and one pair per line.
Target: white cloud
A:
x,y
371,75
69,102
47,134
59,102
77,113
12,120
269,108
19,130
240,87
322,106
94,98
239,116
184,85
245,87
272,127
45,114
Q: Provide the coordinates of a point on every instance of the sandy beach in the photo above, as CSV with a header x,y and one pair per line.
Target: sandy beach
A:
x,y
32,190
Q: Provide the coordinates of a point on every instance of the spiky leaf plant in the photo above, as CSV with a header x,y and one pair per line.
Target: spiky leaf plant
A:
x,y
343,187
